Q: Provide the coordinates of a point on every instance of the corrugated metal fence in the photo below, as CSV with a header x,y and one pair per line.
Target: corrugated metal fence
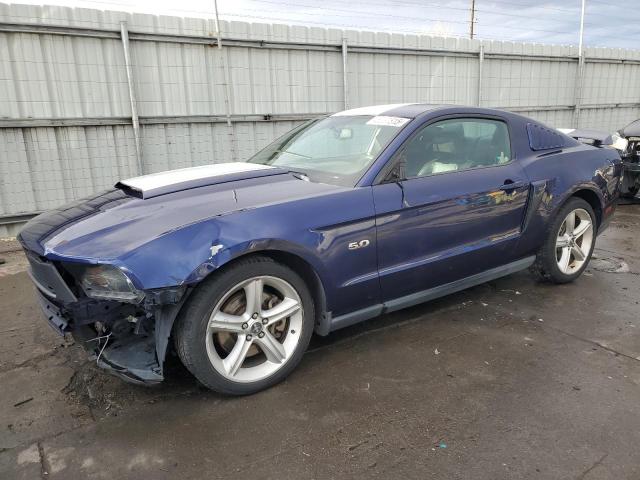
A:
x,y
88,97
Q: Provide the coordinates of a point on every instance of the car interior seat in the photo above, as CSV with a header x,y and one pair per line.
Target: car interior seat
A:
x,y
443,153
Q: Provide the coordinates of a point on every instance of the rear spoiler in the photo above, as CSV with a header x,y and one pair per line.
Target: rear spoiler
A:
x,y
597,138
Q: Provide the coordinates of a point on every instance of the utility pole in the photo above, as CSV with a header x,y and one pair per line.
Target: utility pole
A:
x,y
580,73
227,84
581,28
472,21
217,22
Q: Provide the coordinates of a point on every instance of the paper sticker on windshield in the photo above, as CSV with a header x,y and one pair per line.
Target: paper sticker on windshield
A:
x,y
388,121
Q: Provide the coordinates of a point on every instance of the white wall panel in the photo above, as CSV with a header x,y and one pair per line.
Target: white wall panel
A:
x,y
45,76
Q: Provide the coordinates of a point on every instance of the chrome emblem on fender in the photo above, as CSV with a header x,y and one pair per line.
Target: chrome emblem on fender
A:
x,y
360,244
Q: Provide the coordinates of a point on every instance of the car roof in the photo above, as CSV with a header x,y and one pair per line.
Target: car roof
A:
x,y
405,110
413,110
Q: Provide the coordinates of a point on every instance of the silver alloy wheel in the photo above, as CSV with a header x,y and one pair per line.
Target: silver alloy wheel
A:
x,y
574,241
254,329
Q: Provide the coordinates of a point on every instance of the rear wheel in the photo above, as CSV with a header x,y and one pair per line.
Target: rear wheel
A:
x,y
246,328
569,243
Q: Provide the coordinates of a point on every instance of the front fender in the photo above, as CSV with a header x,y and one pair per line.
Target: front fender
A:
x,y
318,230
190,254
224,251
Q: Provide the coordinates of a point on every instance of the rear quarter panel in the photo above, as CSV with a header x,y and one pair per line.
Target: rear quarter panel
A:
x,y
555,177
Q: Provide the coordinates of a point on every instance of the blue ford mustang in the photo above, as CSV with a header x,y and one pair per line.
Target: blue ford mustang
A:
x,y
342,219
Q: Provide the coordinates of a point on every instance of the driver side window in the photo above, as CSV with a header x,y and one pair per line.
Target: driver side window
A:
x,y
457,144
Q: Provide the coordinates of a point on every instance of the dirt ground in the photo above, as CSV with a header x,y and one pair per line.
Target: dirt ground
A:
x,y
511,379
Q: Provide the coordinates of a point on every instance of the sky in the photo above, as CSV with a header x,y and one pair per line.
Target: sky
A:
x,y
607,23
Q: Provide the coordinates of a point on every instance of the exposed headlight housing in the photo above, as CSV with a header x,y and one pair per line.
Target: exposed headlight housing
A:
x,y
619,143
109,283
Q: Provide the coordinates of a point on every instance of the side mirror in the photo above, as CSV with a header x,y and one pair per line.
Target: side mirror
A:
x,y
393,176
397,172
402,165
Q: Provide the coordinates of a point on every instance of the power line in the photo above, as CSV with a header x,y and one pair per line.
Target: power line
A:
x,y
457,22
358,27
528,17
327,23
352,12
528,5
413,18
466,9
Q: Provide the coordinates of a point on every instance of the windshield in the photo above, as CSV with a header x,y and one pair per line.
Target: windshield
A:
x,y
336,150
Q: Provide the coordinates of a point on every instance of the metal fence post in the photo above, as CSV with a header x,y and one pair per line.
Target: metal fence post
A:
x,y
227,86
345,89
124,35
480,66
579,86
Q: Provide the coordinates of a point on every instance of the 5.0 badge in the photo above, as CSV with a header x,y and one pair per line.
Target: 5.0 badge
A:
x,y
360,244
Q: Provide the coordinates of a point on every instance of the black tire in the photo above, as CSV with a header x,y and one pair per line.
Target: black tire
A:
x,y
630,193
191,324
546,266
629,185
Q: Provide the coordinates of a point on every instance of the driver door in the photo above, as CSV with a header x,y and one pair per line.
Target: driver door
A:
x,y
455,211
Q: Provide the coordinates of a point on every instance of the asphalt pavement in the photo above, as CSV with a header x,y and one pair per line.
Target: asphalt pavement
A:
x,y
511,379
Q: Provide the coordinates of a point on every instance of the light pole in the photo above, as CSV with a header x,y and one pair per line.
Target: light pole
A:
x,y
581,28
217,21
472,20
580,77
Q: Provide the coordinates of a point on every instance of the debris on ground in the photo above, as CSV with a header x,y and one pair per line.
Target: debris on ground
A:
x,y
22,402
99,392
609,264
509,290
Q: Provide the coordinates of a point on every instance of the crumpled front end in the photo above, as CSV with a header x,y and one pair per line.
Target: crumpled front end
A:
x,y
125,330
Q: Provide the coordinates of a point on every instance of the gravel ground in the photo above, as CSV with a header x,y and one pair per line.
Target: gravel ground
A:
x,y
511,379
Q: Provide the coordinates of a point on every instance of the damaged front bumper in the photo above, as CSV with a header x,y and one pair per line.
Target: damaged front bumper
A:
x,y
134,357
127,340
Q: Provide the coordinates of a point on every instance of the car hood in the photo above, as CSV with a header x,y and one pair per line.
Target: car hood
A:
x,y
631,130
113,224
156,184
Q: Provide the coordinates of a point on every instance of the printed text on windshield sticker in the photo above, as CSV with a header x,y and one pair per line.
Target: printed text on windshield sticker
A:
x,y
388,121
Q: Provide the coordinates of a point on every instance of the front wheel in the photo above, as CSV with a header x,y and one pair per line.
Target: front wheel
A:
x,y
247,327
569,243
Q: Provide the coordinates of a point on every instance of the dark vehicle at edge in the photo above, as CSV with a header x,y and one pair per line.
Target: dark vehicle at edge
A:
x,y
630,154
627,142
345,218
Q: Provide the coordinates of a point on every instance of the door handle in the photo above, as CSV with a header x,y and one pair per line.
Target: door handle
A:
x,y
510,185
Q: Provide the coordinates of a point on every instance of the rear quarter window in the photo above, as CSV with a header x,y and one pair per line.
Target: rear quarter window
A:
x,y
544,138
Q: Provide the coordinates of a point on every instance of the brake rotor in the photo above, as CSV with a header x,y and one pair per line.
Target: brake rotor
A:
x,y
236,304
